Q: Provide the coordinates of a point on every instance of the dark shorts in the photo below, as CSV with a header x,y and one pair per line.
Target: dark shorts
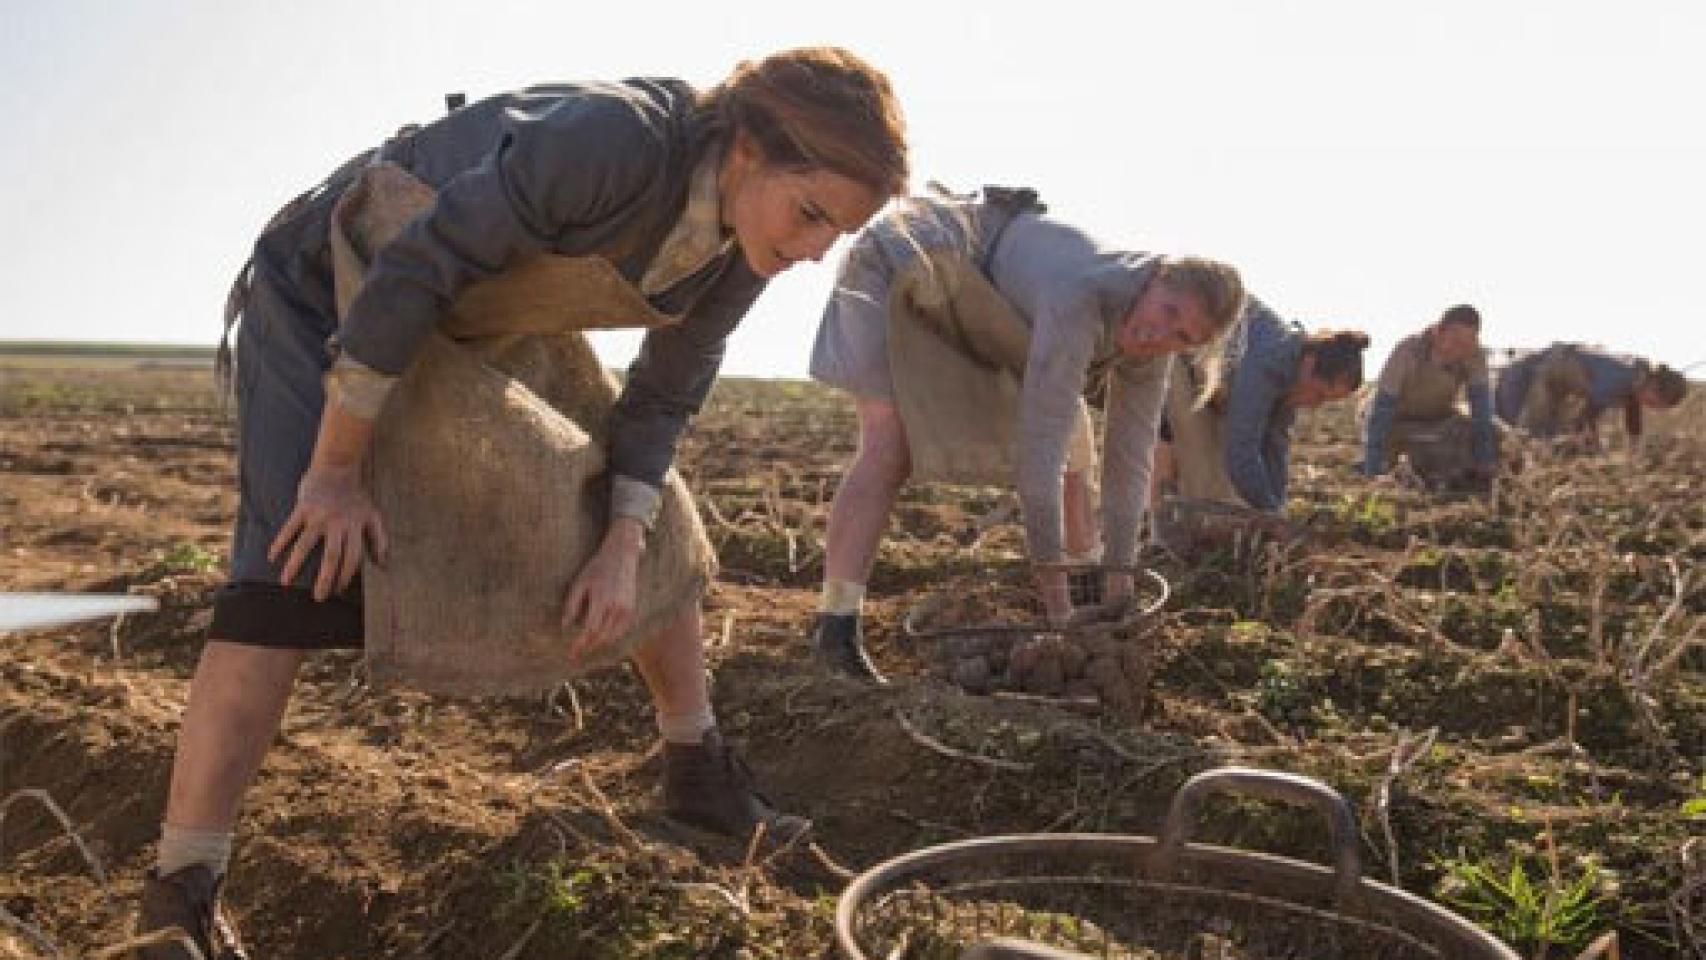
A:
x,y
281,357
268,615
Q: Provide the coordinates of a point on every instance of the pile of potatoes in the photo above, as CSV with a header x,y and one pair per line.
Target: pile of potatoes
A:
x,y
1115,672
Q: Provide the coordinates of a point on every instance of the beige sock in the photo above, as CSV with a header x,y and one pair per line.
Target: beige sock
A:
x,y
842,597
182,847
1090,556
686,728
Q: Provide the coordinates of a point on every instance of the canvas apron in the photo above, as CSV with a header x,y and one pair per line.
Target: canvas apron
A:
x,y
1429,429
1199,447
1206,512
489,470
958,349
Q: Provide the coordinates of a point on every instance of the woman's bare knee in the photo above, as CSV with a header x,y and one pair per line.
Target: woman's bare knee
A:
x,y
883,451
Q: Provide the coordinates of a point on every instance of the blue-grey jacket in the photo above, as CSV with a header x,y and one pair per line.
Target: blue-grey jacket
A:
x,y
575,170
1256,431
1606,379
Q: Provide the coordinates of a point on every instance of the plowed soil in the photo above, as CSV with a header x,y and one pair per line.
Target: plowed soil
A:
x,y
1529,650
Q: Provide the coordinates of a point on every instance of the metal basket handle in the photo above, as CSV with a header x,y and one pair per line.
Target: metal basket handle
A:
x,y
1181,822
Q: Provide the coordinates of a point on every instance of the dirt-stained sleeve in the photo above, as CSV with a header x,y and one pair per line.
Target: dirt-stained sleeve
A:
x,y
550,182
1253,460
669,380
1384,407
1137,391
1063,342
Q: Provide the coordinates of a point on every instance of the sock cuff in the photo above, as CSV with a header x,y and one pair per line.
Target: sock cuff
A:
x,y
686,728
182,847
841,597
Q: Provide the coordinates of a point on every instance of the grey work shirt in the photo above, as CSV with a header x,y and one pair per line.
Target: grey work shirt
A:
x,y
1074,290
572,170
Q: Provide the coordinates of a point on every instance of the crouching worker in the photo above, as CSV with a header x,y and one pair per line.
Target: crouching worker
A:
x,y
1228,439
967,330
679,205
1566,388
1414,408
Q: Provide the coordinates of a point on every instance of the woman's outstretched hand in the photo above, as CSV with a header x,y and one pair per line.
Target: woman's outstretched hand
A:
x,y
334,512
603,599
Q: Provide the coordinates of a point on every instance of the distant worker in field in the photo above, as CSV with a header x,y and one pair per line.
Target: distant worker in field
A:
x,y
1229,441
967,330
695,199
1567,387
1414,409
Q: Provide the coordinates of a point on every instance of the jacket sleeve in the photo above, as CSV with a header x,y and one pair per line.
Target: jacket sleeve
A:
x,y
1256,393
1482,440
670,378
1062,345
1377,430
1278,442
552,182
1136,394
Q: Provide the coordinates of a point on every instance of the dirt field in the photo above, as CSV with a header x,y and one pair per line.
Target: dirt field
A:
x,y
1523,664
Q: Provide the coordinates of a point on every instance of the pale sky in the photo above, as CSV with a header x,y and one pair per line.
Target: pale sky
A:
x,y
1364,163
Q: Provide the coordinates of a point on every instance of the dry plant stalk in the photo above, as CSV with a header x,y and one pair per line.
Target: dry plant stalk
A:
x,y
954,753
1687,906
600,804
30,932
721,892
1409,750
526,936
1604,948
155,938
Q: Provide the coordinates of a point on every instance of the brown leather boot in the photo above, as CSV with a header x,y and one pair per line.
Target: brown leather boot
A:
x,y
189,900
705,785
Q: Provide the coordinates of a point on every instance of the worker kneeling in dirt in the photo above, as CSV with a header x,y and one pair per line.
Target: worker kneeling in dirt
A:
x,y
968,330
694,201
1567,387
1227,439
1414,410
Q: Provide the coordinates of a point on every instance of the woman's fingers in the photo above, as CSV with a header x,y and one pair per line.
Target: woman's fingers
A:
x,y
381,543
300,550
331,558
572,612
287,533
607,619
354,543
590,635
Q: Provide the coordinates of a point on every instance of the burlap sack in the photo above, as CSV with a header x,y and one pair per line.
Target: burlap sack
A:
x,y
957,351
488,468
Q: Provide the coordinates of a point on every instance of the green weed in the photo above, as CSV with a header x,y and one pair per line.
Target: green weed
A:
x,y
1523,908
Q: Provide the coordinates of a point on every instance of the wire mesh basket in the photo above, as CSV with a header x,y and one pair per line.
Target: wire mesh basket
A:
x,y
1006,603
989,634
1075,896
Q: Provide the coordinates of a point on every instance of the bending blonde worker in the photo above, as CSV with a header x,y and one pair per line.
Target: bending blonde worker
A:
x,y
1039,304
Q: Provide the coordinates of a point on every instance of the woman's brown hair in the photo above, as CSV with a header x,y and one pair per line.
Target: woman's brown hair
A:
x,y
1669,386
819,107
1462,315
1338,355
